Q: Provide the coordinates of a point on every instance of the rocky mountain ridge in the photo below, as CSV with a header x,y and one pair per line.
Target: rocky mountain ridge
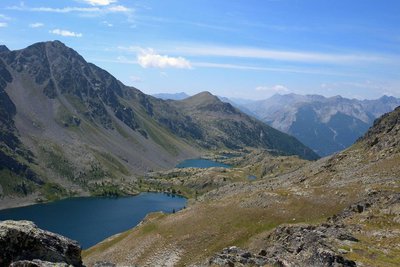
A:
x,y
71,128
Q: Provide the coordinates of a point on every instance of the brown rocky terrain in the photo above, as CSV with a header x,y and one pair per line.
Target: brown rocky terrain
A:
x,y
338,211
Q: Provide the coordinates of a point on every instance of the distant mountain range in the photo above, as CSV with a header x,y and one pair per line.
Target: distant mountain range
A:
x,y
325,124
67,126
176,96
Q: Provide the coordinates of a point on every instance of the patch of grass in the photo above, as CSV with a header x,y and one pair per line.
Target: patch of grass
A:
x,y
77,103
55,160
110,242
125,134
106,190
13,184
53,191
111,162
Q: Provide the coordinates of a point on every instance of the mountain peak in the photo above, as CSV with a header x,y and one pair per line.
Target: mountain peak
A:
x,y
383,135
4,48
202,98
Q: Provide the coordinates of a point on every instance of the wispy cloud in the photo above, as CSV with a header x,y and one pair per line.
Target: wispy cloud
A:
x,y
36,25
119,8
93,10
275,89
4,17
200,50
99,2
106,23
66,33
269,69
3,24
136,79
147,58
281,55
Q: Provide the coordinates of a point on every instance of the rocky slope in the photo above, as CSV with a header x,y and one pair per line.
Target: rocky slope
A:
x,y
69,127
341,210
22,243
327,125
224,125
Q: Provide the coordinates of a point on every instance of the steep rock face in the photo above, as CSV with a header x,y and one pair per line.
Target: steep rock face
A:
x,y
81,125
24,241
384,135
11,147
326,125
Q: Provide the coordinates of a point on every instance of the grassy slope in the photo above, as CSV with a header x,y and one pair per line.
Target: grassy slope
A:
x,y
243,213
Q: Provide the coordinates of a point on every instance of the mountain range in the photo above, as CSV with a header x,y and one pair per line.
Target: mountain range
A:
x,y
173,96
325,124
69,127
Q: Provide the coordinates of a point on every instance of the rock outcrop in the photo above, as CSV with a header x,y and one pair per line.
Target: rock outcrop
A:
x,y
298,245
22,243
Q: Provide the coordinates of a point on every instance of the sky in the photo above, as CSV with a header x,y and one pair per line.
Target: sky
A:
x,y
240,49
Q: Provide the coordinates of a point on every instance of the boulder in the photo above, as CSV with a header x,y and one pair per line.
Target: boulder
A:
x,y
24,244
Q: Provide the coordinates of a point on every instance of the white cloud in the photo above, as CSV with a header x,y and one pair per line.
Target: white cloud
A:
x,y
275,89
4,17
66,33
100,2
136,79
220,51
88,10
124,60
118,8
270,54
3,24
108,24
36,25
149,59
269,69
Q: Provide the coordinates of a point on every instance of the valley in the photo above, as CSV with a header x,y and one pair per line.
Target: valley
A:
x,y
70,128
341,209
255,195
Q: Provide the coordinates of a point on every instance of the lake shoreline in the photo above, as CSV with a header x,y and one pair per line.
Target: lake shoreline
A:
x,y
19,202
76,217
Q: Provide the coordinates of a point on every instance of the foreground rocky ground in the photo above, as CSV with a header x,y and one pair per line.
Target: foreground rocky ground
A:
x,y
23,244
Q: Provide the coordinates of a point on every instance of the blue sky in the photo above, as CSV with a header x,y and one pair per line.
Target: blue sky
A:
x,y
244,49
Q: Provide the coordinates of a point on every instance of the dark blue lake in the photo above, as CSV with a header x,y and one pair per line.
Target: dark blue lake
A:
x,y
201,163
92,219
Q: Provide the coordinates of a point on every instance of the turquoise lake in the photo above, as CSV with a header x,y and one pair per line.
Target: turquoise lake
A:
x,y
201,163
92,219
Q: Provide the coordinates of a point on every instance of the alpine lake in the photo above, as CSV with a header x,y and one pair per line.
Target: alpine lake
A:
x,y
90,220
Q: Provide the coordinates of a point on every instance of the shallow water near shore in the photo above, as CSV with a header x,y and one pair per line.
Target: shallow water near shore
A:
x,y
90,220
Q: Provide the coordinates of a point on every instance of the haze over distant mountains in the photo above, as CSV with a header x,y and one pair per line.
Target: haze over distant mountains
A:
x,y
325,124
173,96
